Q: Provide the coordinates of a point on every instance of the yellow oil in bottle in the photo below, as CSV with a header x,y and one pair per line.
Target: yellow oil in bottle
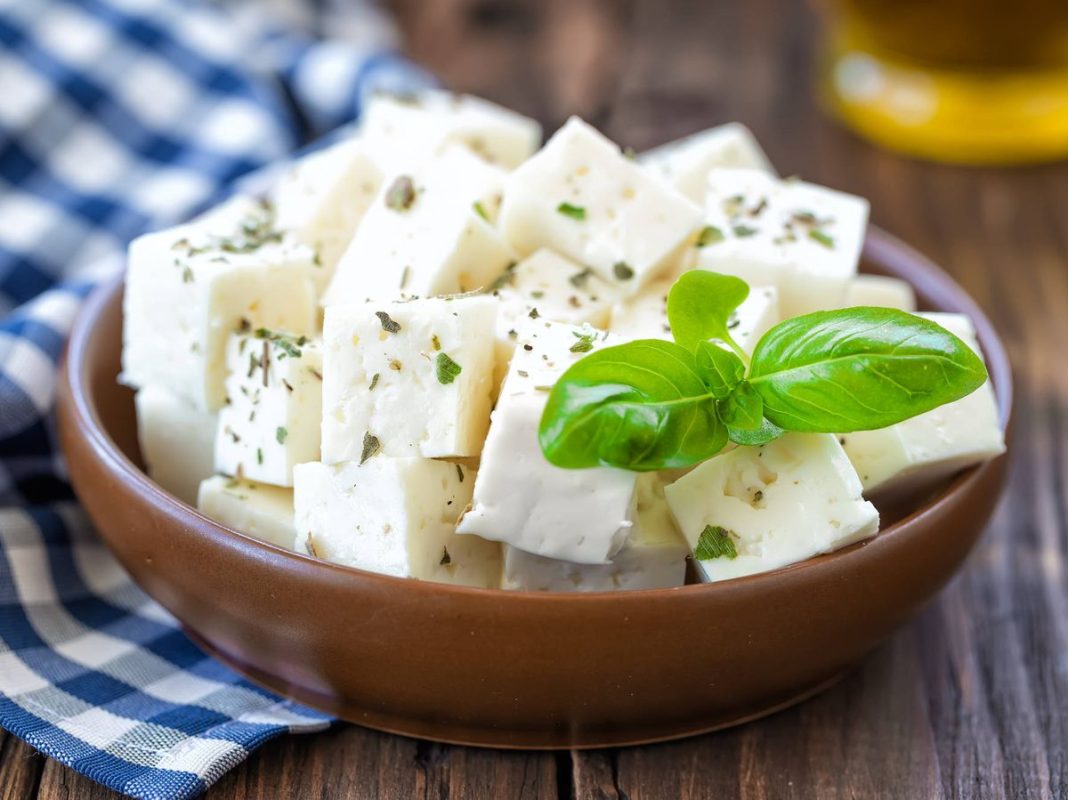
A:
x,y
964,81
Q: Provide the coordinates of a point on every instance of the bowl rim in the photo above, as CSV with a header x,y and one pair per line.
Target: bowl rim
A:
x,y
880,248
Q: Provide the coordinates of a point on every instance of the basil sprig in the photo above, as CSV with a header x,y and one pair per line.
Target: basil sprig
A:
x,y
650,404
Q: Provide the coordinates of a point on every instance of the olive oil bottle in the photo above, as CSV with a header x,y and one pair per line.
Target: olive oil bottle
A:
x,y
965,81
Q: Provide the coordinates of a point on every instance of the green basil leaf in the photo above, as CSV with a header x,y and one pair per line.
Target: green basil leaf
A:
x,y
859,369
720,369
639,406
700,304
767,432
742,408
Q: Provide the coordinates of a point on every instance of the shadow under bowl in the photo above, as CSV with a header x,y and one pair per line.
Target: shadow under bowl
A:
x,y
516,669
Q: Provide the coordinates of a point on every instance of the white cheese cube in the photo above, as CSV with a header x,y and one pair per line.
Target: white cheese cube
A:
x,y
188,288
803,239
256,509
177,441
685,163
921,451
781,503
880,291
396,516
520,498
653,557
399,129
584,199
273,416
416,375
553,287
428,233
645,316
322,199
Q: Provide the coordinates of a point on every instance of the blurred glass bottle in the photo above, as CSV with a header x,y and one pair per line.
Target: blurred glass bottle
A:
x,y
966,81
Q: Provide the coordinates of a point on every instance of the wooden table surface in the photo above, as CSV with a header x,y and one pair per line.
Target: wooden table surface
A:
x,y
971,699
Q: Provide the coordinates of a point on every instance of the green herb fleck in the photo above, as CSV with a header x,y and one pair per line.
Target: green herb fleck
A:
x,y
709,234
744,231
435,342
714,542
460,473
374,382
622,270
255,230
480,210
187,274
280,434
401,193
446,368
569,210
259,455
584,343
290,345
371,445
533,314
506,278
822,238
733,205
805,218
388,324
581,278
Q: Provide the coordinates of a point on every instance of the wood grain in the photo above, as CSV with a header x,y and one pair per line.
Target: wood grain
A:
x,y
20,769
969,701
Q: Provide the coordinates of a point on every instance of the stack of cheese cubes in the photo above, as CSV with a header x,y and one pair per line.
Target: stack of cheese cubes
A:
x,y
354,366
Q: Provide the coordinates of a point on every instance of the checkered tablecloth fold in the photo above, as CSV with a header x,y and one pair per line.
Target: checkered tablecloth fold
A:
x,y
120,116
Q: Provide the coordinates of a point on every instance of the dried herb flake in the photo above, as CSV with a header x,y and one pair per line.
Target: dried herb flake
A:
x,y
446,369
715,542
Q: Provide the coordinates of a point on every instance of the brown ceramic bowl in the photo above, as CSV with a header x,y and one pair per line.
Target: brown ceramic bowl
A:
x,y
515,669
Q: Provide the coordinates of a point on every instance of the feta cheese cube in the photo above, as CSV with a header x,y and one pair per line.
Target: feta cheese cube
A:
x,y
177,441
920,451
416,376
520,498
274,414
581,197
653,557
880,291
685,163
645,316
781,503
803,239
396,516
188,288
553,287
322,199
427,233
255,509
398,129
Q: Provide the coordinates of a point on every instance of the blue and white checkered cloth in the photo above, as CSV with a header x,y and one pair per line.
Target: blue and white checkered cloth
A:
x,y
116,117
